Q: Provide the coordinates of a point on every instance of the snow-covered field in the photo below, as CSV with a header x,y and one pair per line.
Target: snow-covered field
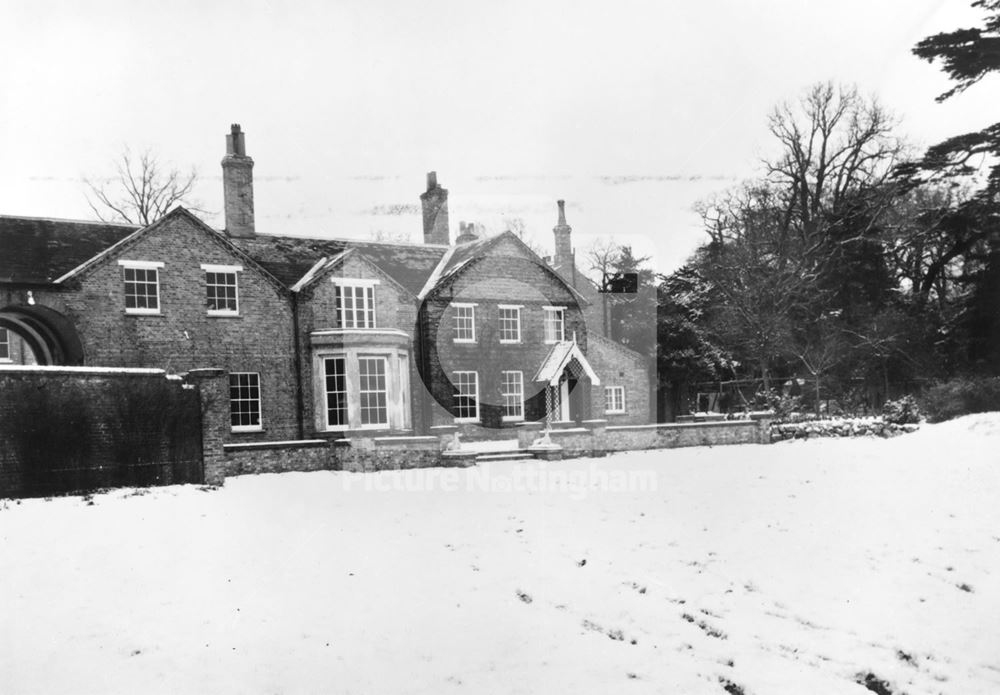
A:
x,y
801,567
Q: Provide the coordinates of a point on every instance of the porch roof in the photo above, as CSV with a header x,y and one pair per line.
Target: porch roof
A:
x,y
561,354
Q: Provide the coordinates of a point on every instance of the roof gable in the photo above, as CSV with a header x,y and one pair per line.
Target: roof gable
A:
x,y
291,259
178,212
328,267
559,356
465,256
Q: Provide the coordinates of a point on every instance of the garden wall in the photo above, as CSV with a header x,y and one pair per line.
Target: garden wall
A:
x,y
367,454
67,429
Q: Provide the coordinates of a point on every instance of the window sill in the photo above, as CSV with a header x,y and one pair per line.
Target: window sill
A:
x,y
510,342
512,418
245,429
458,341
615,412
466,420
143,312
217,314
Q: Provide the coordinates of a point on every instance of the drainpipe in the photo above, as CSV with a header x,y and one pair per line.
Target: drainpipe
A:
x,y
299,402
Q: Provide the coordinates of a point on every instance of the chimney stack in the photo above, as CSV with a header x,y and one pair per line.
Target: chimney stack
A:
x,y
435,206
563,259
237,185
466,233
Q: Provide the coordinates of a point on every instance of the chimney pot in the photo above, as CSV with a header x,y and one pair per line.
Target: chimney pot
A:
x,y
432,180
467,231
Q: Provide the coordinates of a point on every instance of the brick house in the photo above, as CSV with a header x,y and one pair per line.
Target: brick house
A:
x,y
324,337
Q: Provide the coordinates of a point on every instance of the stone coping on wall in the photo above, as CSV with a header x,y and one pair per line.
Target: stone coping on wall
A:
x,y
99,371
428,439
287,444
686,425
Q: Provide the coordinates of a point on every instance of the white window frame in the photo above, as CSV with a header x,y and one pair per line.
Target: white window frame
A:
x,y
326,394
458,307
516,308
216,269
5,346
458,393
385,393
368,296
559,311
610,391
142,265
259,427
504,394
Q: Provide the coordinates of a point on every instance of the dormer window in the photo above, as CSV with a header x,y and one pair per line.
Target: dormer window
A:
x,y
355,302
554,324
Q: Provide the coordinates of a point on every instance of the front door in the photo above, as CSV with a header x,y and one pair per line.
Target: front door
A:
x,y
575,399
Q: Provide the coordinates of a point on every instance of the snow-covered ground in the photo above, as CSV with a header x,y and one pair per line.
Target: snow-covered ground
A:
x,y
800,567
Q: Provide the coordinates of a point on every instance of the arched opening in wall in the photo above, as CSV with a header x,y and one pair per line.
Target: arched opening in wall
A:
x,y
38,335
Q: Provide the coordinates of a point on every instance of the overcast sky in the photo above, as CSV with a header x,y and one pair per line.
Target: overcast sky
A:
x,y
629,110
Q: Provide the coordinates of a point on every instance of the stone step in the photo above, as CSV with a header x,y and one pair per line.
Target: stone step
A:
x,y
505,456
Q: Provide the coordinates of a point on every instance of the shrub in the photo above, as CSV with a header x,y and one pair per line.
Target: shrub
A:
x,y
903,411
961,396
785,407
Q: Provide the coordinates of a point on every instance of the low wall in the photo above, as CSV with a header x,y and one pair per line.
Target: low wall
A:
x,y
279,457
357,454
390,453
675,435
70,429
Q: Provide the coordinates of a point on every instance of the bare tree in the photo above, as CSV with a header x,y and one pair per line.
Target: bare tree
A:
x,y
776,243
141,191
600,257
518,226
758,274
835,145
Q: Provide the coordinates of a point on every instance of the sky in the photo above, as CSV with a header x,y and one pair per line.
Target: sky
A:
x,y
630,111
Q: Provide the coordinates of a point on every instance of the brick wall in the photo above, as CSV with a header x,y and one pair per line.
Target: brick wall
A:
x,y
671,436
183,336
355,455
619,366
389,453
506,277
68,429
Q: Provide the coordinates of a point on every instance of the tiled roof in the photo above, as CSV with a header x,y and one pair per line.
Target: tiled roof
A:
x,y
35,250
290,258
466,252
